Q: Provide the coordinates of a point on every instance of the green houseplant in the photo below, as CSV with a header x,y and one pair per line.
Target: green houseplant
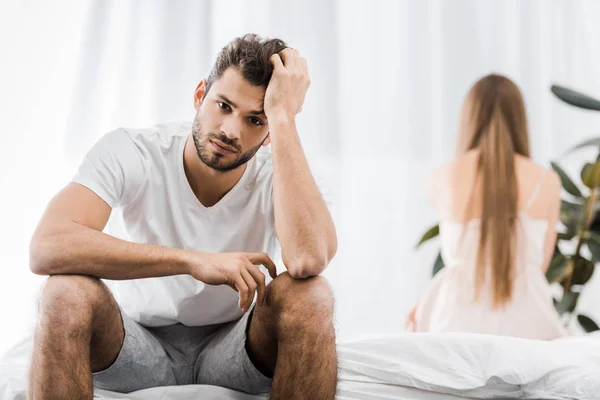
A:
x,y
577,251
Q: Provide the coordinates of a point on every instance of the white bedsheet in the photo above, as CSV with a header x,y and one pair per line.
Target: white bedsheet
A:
x,y
478,366
413,366
345,392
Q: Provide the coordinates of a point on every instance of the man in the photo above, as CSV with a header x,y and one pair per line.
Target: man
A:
x,y
203,205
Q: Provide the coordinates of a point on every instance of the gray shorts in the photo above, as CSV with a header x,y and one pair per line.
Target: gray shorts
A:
x,y
183,355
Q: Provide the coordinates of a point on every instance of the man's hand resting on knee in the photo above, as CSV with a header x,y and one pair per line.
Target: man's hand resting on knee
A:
x,y
237,270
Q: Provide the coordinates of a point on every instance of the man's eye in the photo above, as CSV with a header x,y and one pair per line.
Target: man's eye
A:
x,y
255,121
224,106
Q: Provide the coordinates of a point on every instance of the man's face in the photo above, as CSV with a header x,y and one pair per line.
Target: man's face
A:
x,y
230,123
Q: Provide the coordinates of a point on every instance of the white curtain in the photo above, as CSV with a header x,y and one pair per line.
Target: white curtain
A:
x,y
388,79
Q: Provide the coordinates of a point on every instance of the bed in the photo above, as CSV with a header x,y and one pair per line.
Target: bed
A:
x,y
411,366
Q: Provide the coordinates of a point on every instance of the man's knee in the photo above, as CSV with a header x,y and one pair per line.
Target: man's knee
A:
x,y
296,300
69,302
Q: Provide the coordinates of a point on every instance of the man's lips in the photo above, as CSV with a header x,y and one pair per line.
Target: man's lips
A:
x,y
222,148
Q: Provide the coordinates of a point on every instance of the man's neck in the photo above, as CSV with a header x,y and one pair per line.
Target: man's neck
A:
x,y
208,184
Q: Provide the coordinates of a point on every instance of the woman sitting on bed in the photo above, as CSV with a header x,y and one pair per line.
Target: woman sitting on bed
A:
x,y
498,211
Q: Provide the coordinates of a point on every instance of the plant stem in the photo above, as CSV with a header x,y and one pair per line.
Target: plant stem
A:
x,y
587,221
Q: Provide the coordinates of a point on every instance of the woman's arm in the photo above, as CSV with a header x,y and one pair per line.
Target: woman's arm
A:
x,y
554,187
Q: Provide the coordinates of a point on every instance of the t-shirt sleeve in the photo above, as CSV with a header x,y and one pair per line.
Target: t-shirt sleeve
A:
x,y
113,168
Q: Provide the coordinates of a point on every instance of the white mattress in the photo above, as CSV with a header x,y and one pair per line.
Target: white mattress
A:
x,y
412,366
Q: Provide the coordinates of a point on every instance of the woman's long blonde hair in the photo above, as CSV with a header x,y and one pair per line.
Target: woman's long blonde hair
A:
x,y
494,121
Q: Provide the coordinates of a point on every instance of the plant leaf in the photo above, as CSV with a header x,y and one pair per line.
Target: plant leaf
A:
x,y
594,142
571,214
430,234
574,98
569,235
583,271
571,206
594,245
570,223
590,175
567,183
438,265
586,173
567,303
587,323
557,268
595,224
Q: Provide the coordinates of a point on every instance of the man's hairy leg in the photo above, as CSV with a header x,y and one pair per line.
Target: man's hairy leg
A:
x,y
80,331
292,338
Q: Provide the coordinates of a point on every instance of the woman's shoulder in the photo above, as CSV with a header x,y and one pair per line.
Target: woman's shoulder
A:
x,y
439,174
455,168
540,186
538,174
449,178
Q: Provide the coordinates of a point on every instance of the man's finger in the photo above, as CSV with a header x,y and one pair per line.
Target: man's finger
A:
x,y
251,289
264,259
304,65
276,61
242,289
259,278
288,57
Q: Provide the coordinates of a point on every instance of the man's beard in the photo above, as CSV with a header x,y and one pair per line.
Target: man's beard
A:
x,y
215,160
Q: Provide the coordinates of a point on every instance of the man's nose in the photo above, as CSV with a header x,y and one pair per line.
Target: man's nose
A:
x,y
232,128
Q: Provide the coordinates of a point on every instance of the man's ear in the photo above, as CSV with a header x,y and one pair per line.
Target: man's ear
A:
x,y
199,93
267,140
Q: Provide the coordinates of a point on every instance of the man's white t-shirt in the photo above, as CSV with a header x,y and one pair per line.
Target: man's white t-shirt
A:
x,y
140,174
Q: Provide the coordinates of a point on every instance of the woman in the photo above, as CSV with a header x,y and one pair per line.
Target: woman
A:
x,y
498,211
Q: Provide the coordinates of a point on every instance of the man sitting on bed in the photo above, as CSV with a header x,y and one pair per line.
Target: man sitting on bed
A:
x,y
205,208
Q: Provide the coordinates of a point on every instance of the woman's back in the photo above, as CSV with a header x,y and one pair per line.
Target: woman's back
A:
x,y
456,188
456,301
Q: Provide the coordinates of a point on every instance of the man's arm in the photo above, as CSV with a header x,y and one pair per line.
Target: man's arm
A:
x,y
303,223
69,240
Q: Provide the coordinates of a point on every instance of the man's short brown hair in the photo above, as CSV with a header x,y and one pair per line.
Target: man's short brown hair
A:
x,y
250,55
